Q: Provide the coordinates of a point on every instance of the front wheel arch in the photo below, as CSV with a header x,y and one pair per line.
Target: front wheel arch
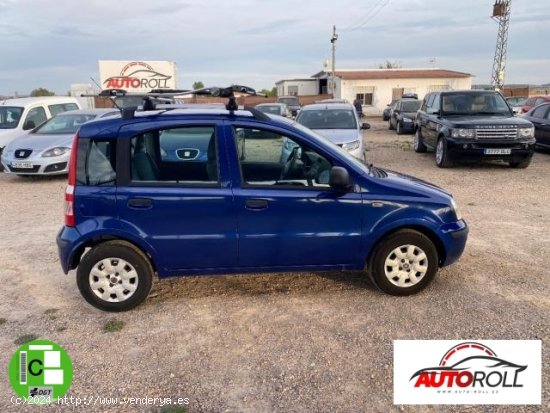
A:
x,y
432,236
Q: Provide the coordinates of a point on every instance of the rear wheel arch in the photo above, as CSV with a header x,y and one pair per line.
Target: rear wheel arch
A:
x,y
95,241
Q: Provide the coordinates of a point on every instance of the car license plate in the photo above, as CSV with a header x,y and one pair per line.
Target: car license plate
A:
x,y
498,151
22,165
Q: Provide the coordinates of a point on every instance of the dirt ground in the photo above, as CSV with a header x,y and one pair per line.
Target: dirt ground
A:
x,y
289,342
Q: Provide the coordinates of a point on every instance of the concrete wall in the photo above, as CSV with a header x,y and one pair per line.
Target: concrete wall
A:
x,y
382,89
305,87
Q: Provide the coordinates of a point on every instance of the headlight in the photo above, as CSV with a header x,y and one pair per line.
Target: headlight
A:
x,y
350,146
526,132
407,120
463,133
455,208
55,152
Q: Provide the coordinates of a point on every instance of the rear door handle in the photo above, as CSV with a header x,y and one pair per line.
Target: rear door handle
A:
x,y
142,203
256,204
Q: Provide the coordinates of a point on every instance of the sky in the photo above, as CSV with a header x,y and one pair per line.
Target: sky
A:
x,y
54,43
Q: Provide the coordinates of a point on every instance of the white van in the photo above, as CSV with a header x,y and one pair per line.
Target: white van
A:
x,y
20,115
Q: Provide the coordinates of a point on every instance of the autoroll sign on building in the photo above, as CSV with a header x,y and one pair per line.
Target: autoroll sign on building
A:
x,y
137,75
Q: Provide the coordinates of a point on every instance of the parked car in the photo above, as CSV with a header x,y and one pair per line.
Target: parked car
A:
x,y
129,214
46,150
516,103
539,116
23,114
531,102
292,102
337,122
333,100
386,112
403,114
472,125
280,109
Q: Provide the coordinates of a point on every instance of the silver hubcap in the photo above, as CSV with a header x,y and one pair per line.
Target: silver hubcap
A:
x,y
406,265
113,280
439,151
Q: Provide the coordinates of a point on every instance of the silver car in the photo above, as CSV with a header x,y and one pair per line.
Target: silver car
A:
x,y
338,122
46,150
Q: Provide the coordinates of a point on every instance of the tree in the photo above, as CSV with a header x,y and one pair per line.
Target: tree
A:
x,y
41,92
198,85
389,65
269,93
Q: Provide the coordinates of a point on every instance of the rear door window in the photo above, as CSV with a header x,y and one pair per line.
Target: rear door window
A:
x,y
96,162
62,107
181,155
539,112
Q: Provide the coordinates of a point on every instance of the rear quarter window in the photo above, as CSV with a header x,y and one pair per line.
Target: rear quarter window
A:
x,y
62,107
96,163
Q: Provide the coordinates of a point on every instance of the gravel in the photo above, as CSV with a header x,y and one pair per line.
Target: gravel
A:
x,y
287,342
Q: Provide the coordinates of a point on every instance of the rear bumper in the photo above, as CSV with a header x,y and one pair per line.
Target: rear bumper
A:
x,y
454,236
67,240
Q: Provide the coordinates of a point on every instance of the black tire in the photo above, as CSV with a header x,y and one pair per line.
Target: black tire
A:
x,y
398,129
117,250
521,164
442,161
384,250
390,127
419,146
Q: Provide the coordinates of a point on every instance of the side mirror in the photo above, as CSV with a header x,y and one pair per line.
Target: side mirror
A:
x,y
29,125
365,126
339,179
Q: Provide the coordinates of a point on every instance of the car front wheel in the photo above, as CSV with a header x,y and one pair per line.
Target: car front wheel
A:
x,y
521,164
403,263
442,154
114,276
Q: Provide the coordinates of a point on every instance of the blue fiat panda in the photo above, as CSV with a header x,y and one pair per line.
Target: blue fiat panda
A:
x,y
207,191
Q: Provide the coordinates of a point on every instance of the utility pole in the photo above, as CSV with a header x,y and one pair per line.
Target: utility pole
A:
x,y
333,41
501,14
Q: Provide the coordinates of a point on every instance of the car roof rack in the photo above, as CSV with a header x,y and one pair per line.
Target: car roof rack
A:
x,y
159,96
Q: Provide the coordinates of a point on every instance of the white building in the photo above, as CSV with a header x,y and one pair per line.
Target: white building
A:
x,y
297,87
375,88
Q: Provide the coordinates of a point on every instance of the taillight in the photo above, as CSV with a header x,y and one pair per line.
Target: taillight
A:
x,y
69,190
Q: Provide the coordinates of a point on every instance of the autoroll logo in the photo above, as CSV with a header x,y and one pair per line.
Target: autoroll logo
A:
x,y
138,75
468,372
470,365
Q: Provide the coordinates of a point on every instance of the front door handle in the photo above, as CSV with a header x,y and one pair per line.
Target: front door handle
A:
x,y
256,204
142,203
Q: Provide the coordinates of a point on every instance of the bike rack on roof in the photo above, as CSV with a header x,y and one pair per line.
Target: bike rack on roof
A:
x,y
161,96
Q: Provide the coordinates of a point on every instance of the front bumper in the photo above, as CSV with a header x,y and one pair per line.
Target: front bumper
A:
x,y
407,126
465,149
454,236
35,165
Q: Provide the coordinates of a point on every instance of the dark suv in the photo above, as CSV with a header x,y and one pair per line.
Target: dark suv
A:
x,y
207,191
472,125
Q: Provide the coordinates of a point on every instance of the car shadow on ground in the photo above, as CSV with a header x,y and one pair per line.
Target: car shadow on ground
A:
x,y
259,284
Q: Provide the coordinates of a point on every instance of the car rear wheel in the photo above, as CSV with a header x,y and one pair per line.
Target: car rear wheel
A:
x,y
419,146
398,128
114,276
442,154
521,164
390,126
403,263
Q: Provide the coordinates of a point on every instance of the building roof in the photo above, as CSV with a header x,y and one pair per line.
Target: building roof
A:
x,y
394,74
296,80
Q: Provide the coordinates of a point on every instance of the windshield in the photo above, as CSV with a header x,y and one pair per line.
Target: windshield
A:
x,y
290,101
411,106
482,103
63,124
9,116
327,119
273,109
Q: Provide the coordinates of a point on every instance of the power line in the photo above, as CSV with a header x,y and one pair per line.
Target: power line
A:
x,y
360,19
369,16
